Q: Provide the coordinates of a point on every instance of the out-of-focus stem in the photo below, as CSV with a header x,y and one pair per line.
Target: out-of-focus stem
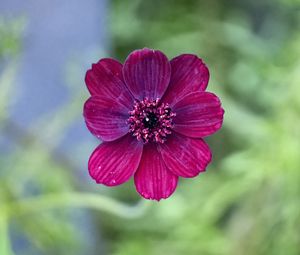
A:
x,y
5,245
75,199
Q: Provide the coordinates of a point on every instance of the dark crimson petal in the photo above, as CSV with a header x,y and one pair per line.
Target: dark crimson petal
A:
x,y
106,79
188,74
106,118
152,179
198,114
113,163
147,73
184,156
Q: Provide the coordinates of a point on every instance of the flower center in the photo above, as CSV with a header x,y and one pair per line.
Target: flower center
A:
x,y
150,120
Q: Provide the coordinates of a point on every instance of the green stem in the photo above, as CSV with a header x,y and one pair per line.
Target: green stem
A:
x,y
5,245
80,200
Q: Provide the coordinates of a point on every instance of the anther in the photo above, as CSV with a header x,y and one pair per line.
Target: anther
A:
x,y
150,120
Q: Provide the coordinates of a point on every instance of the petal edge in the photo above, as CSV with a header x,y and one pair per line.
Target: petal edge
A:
x,y
184,156
110,164
198,114
147,73
105,78
152,179
188,74
105,118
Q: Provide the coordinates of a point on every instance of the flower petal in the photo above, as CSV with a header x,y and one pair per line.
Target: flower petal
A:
x,y
152,179
113,163
106,79
198,114
147,73
184,156
106,118
189,74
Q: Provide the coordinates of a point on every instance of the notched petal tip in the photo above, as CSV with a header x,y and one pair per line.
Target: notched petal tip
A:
x,y
157,197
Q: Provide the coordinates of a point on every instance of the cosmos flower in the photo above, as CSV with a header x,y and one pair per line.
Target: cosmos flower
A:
x,y
151,114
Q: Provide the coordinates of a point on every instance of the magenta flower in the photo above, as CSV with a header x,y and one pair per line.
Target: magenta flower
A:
x,y
151,114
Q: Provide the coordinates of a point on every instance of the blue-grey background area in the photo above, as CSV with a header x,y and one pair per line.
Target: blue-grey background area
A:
x,y
60,41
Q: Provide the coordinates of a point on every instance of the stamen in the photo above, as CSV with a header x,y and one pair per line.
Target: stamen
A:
x,y
151,120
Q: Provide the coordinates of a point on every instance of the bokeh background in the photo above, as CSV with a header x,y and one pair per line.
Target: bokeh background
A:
x,y
248,200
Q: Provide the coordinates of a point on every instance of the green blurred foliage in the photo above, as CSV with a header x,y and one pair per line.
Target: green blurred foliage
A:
x,y
248,200
10,43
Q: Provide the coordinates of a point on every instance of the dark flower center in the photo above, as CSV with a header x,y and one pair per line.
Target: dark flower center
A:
x,y
150,120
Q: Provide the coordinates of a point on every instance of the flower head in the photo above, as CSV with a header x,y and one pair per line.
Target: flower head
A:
x,y
151,114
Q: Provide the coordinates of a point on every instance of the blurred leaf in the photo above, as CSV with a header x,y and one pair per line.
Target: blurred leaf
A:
x,y
7,88
5,246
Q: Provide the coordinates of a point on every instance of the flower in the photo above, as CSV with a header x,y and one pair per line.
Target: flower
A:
x,y
151,114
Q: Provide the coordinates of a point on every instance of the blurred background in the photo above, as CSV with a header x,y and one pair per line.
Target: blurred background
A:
x,y
248,201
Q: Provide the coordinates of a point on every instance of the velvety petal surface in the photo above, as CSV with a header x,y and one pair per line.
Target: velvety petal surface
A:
x,y
113,163
147,73
198,114
184,156
188,74
152,179
106,118
105,78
